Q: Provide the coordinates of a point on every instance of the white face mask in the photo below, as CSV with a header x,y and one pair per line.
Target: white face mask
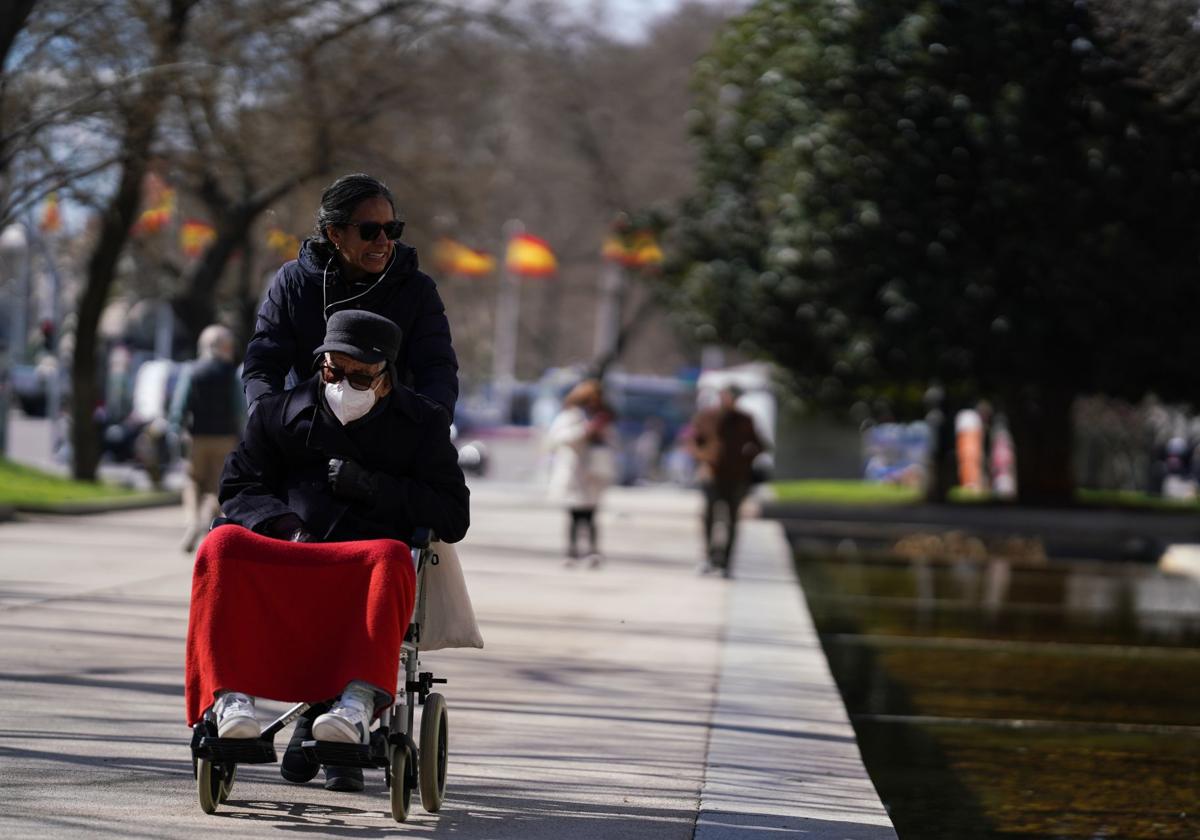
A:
x,y
348,404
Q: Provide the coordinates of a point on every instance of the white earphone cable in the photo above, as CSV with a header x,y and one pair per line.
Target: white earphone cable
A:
x,y
325,284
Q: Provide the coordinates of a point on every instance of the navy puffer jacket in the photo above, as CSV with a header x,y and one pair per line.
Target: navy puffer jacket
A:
x,y
307,290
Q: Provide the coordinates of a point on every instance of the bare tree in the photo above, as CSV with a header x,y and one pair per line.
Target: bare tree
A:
x,y
473,119
49,98
138,122
240,164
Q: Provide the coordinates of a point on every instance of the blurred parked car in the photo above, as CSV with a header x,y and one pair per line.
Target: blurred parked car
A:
x,y
650,412
472,454
144,436
31,387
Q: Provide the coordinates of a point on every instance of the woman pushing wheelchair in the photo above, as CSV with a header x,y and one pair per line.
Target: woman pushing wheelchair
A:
x,y
349,456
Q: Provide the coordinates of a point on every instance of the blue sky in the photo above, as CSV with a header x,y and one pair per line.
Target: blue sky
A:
x,y
628,19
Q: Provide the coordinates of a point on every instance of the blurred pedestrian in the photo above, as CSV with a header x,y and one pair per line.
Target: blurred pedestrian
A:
x,y
969,449
207,409
354,260
724,443
582,463
647,450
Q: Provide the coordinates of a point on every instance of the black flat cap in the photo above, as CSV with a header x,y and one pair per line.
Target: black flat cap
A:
x,y
361,335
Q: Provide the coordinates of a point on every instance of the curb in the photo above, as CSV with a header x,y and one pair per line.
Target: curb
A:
x,y
782,756
83,508
1098,534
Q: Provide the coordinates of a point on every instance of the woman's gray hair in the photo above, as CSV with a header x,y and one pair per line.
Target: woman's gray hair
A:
x,y
341,197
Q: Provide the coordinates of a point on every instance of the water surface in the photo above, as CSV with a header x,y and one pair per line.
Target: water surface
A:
x,y
996,698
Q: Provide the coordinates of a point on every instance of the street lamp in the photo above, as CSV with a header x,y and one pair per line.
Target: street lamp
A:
x,y
14,243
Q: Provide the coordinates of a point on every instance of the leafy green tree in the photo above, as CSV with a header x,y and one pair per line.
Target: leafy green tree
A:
x,y
987,195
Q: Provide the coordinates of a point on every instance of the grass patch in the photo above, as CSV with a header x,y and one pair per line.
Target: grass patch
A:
x,y
861,492
850,492
1133,499
22,486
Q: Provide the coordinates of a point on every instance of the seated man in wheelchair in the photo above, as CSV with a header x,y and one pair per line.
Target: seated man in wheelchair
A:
x,y
351,454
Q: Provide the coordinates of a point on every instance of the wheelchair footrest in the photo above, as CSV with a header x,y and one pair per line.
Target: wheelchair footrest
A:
x,y
338,754
236,750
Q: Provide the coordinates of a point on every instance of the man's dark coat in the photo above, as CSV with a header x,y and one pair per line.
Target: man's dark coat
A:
x,y
281,466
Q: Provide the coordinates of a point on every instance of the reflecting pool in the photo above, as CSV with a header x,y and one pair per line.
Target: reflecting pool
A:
x,y
1000,698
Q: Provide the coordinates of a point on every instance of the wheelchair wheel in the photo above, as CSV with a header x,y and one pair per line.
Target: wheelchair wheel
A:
x,y
401,783
210,779
434,752
226,786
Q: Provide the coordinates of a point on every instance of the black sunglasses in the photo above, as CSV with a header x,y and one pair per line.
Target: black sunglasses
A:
x,y
332,374
369,231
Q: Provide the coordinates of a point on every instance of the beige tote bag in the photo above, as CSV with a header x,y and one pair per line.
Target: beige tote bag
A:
x,y
448,619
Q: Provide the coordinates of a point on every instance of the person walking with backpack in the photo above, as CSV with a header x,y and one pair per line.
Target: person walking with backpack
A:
x,y
207,407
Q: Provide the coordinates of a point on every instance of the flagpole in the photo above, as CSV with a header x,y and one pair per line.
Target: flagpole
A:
x,y
608,314
508,315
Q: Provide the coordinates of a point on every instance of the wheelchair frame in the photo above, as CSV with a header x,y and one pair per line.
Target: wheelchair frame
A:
x,y
405,765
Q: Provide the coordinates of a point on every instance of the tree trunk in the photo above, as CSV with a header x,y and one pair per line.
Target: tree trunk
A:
x,y
196,305
1040,421
12,21
246,313
599,366
943,467
141,122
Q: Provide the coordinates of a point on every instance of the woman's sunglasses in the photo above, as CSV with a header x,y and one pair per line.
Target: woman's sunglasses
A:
x,y
332,374
369,231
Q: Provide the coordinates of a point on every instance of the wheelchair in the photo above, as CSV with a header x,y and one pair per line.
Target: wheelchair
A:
x,y
407,764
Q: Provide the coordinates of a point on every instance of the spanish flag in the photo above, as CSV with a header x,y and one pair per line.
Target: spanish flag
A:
x,y
51,216
283,244
195,236
529,256
160,206
452,257
638,250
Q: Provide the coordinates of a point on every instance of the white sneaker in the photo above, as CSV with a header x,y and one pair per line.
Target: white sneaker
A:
x,y
235,716
349,721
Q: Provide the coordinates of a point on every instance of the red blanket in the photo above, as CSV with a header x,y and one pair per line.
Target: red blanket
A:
x,y
294,621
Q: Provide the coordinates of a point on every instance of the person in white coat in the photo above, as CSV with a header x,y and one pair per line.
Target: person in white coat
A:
x,y
580,440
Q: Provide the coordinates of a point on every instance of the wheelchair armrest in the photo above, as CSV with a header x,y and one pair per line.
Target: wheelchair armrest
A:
x,y
421,538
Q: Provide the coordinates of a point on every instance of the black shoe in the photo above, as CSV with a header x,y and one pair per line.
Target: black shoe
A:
x,y
295,767
346,779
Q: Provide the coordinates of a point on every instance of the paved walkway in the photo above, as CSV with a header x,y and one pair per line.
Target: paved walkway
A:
x,y
633,701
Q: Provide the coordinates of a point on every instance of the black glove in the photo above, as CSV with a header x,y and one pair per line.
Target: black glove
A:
x,y
350,481
288,527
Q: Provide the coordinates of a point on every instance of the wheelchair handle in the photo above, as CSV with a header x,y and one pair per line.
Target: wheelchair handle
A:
x,y
421,538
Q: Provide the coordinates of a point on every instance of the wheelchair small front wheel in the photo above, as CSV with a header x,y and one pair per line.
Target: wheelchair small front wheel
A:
x,y
400,783
434,752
